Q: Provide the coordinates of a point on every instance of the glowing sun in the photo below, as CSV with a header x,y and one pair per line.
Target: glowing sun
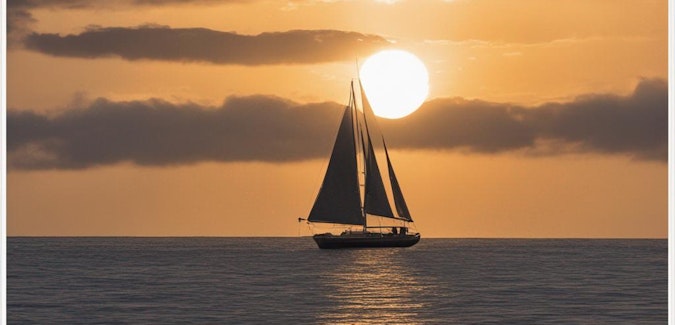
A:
x,y
396,83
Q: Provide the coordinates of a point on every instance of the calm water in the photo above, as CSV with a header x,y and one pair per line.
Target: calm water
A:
x,y
289,280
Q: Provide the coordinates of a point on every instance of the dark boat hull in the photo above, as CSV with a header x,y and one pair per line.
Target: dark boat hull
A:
x,y
328,241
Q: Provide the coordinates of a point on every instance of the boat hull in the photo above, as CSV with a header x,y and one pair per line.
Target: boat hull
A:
x,y
329,241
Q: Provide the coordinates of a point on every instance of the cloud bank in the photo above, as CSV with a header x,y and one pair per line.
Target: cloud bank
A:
x,y
156,132
152,42
205,45
271,129
635,125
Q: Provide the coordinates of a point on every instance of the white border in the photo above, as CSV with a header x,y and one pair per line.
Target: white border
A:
x,y
3,163
671,163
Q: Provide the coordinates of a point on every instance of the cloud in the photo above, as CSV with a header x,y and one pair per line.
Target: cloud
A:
x,y
635,125
20,21
19,11
266,128
156,132
205,45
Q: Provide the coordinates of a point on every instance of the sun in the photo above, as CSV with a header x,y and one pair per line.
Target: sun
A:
x,y
396,83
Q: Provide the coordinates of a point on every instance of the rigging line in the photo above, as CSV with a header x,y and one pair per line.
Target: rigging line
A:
x,y
351,93
359,148
358,73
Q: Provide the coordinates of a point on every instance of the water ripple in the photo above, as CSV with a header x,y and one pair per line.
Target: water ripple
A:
x,y
289,280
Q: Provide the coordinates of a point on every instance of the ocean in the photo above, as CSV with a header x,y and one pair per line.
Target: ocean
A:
x,y
103,280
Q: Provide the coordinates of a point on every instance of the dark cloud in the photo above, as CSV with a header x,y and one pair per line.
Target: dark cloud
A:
x,y
264,128
20,20
182,44
156,132
458,123
205,45
635,125
19,24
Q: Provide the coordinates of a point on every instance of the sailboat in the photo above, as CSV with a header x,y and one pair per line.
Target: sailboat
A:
x,y
344,201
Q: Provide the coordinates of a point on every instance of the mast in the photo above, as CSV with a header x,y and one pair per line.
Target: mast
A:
x,y
362,146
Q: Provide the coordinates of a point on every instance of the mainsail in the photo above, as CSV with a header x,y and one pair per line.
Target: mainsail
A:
x,y
339,199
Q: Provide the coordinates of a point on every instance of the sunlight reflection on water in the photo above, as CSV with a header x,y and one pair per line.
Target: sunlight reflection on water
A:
x,y
373,287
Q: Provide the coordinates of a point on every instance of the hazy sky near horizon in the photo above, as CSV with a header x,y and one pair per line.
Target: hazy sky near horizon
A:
x,y
216,118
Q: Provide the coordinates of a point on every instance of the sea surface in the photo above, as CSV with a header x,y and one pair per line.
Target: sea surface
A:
x,y
291,281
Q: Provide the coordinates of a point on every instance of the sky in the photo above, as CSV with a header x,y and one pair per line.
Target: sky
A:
x,y
216,118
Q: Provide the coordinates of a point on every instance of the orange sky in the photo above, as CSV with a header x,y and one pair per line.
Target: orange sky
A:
x,y
520,54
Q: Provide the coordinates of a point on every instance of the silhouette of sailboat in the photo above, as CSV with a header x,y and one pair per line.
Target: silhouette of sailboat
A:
x,y
341,199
